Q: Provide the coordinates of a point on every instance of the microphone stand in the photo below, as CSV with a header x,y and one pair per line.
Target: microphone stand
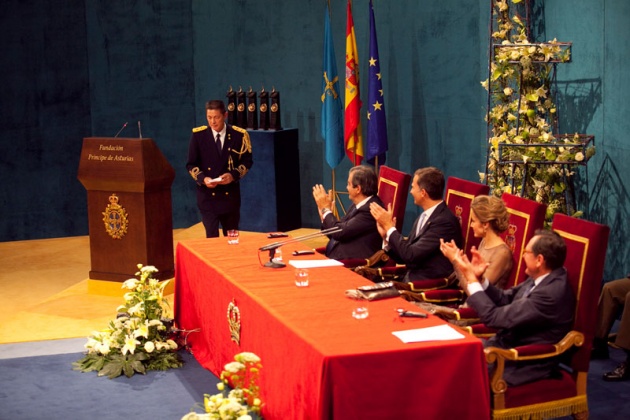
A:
x,y
273,263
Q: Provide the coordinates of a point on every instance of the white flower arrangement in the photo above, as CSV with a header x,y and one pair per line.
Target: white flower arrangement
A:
x,y
137,340
242,402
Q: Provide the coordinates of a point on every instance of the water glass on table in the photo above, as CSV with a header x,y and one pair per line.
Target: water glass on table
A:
x,y
360,310
232,237
301,277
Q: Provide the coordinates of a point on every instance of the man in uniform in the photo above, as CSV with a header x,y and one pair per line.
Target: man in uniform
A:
x,y
218,157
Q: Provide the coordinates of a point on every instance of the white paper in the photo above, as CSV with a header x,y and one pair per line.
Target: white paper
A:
x,y
437,333
314,263
219,179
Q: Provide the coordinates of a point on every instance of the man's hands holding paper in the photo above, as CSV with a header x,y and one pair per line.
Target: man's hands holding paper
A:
x,y
224,179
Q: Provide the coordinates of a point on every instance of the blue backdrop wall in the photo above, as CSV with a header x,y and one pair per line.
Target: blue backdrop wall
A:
x,y
82,68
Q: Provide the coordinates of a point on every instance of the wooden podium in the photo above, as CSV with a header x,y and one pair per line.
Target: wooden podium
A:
x,y
128,183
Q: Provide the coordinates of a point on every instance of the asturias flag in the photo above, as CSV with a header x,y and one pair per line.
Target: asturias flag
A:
x,y
352,123
332,122
376,122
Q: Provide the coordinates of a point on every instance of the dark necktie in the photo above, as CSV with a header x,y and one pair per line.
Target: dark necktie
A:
x,y
332,242
350,212
529,289
219,148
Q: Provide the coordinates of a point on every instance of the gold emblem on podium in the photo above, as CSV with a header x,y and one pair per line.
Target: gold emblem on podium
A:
x,y
263,107
234,322
241,107
231,106
115,218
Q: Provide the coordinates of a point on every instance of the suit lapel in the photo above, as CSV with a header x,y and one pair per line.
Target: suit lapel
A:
x,y
427,223
414,228
351,211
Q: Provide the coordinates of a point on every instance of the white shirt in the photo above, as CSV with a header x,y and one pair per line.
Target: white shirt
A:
x,y
357,206
428,213
222,133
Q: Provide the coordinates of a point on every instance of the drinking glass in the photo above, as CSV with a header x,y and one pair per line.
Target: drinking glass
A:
x,y
232,236
360,309
301,277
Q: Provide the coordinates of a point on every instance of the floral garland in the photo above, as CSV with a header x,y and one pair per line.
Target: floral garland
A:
x,y
525,156
138,339
242,402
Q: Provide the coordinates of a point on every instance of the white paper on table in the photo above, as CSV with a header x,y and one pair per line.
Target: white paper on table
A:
x,y
437,333
314,263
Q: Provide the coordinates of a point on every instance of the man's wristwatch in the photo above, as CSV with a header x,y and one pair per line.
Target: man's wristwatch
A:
x,y
324,210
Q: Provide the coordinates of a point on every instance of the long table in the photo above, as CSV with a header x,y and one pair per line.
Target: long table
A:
x,y
318,361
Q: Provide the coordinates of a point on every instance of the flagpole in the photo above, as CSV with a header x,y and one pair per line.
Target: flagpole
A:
x,y
334,191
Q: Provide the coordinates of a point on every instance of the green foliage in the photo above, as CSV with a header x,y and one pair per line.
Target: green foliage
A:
x,y
525,156
137,339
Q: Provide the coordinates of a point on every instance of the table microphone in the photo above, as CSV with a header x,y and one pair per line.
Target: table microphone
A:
x,y
121,129
139,130
274,263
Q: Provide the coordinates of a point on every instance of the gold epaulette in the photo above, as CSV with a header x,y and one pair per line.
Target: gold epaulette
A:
x,y
239,129
200,128
246,146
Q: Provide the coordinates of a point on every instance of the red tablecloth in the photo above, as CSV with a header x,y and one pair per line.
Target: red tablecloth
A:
x,y
318,361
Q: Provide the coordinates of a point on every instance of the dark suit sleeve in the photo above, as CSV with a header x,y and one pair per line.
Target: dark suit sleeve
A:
x,y
361,222
498,309
241,154
193,164
428,244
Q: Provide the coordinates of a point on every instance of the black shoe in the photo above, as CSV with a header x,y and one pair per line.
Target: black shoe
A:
x,y
621,373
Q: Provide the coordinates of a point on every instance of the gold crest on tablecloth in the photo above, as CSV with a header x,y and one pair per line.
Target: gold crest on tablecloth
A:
x,y
234,322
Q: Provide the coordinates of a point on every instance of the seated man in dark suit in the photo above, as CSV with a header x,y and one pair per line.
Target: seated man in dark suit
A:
x,y
538,311
420,252
358,237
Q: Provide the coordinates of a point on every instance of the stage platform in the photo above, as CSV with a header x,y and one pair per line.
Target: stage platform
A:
x,y
45,293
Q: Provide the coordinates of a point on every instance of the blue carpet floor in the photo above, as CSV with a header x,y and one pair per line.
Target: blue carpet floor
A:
x,y
46,387
37,382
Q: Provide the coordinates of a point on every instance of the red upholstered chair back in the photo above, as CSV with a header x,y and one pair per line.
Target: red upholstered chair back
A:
x,y
526,216
458,197
393,187
586,253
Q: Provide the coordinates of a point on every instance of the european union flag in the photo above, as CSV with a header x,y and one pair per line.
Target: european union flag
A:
x,y
376,122
332,121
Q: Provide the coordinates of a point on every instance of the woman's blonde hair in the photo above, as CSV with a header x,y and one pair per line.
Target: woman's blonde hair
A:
x,y
492,210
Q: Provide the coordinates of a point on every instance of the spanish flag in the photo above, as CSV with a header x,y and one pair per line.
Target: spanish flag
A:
x,y
352,120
